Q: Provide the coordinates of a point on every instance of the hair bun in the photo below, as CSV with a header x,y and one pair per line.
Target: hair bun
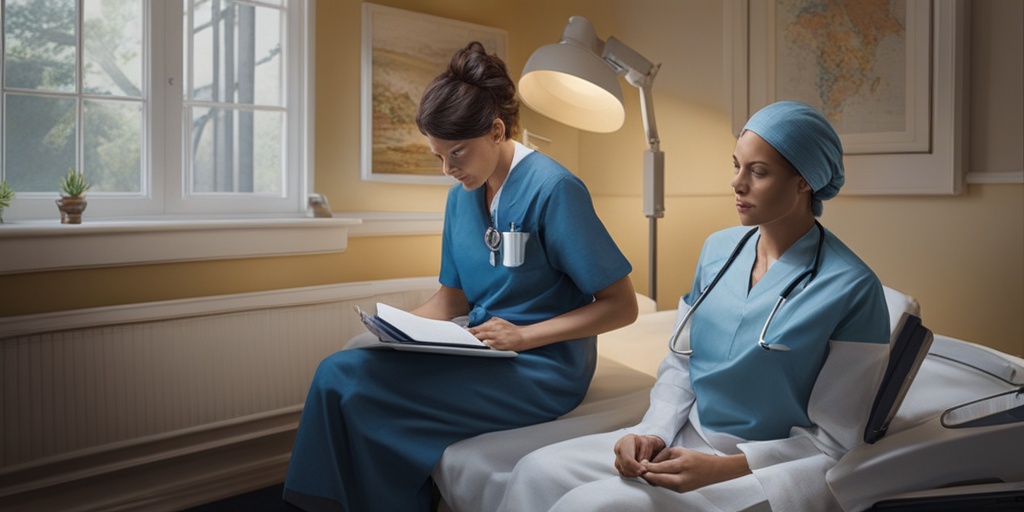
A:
x,y
464,101
474,66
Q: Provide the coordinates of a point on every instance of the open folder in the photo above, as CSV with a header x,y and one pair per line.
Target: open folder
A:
x,y
402,330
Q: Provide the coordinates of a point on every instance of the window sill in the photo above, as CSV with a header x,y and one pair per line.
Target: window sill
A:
x,y
32,246
372,224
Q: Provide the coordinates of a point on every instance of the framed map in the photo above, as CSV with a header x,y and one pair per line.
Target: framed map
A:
x,y
887,73
402,51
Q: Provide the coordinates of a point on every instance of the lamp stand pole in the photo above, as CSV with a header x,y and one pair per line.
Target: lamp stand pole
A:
x,y
652,258
654,174
654,207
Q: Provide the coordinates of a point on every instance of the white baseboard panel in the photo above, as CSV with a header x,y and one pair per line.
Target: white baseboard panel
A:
x,y
161,474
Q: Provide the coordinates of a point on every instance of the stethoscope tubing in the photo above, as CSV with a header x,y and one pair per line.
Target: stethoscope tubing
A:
x,y
809,274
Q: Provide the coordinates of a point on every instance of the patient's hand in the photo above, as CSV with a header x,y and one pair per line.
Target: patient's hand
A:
x,y
632,451
500,334
684,470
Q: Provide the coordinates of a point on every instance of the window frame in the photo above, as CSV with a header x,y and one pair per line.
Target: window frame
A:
x,y
164,189
40,243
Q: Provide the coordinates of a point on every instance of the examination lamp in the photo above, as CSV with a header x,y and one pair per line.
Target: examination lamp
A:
x,y
575,81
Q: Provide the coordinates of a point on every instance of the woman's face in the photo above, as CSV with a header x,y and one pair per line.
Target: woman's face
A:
x,y
768,190
471,161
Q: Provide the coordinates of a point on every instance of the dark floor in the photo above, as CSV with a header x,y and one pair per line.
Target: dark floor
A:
x,y
267,499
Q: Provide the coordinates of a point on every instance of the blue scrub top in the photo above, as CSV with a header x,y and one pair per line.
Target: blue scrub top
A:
x,y
569,254
757,394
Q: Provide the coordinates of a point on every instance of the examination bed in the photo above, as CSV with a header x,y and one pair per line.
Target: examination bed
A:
x,y
945,444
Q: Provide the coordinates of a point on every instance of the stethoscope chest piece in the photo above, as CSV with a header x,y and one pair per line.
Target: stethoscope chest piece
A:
x,y
492,238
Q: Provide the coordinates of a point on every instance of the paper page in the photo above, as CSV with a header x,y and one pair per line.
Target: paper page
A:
x,y
426,329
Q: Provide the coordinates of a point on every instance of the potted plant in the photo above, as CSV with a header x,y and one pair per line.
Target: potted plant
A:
x,y
72,196
6,195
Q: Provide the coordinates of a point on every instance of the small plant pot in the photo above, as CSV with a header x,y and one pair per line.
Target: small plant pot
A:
x,y
71,209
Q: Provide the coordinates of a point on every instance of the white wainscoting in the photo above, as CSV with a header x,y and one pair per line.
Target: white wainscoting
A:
x,y
162,406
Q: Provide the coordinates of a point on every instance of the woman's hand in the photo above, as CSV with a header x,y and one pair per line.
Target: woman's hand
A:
x,y
633,451
684,470
499,334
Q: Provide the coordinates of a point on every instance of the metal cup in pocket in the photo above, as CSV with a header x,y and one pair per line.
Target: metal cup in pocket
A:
x,y
513,248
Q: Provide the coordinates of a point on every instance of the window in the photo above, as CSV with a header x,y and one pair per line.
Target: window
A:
x,y
168,107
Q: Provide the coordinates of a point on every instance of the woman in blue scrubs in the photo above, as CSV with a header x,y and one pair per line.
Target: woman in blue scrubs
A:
x,y
376,422
769,393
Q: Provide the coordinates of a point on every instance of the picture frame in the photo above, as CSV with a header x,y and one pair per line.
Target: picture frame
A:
x,y
402,52
927,154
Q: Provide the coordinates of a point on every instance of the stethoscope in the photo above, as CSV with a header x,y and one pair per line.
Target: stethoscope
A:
x,y
808,274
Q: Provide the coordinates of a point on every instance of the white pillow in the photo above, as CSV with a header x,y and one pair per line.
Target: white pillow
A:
x,y
898,304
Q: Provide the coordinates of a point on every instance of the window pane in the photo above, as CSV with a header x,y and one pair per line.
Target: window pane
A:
x,y
39,141
267,59
39,44
113,47
112,133
237,151
236,53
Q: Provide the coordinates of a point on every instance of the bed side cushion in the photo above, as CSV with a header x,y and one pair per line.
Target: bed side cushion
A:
x,y
641,345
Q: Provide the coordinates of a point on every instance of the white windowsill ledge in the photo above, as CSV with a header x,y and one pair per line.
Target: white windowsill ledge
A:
x,y
394,223
31,246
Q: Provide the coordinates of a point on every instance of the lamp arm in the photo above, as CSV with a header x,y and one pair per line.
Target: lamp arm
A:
x,y
640,73
647,110
654,159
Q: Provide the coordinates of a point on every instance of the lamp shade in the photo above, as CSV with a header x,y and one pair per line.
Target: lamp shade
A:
x,y
571,83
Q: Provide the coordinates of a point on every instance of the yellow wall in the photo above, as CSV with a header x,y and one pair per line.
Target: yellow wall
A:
x,y
962,257
365,259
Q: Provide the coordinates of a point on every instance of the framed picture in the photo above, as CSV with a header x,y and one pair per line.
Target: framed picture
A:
x,y
402,51
889,75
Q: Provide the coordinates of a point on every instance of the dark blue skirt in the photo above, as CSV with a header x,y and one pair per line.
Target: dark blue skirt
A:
x,y
376,421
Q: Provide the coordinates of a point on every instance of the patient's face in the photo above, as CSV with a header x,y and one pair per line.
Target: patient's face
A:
x,y
471,161
767,187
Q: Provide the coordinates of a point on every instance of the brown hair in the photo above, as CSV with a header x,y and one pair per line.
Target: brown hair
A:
x,y
463,102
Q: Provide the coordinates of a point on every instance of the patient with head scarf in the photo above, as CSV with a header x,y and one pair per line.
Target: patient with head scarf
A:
x,y
759,395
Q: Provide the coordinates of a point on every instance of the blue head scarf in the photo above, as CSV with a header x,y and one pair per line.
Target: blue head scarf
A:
x,y
805,138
